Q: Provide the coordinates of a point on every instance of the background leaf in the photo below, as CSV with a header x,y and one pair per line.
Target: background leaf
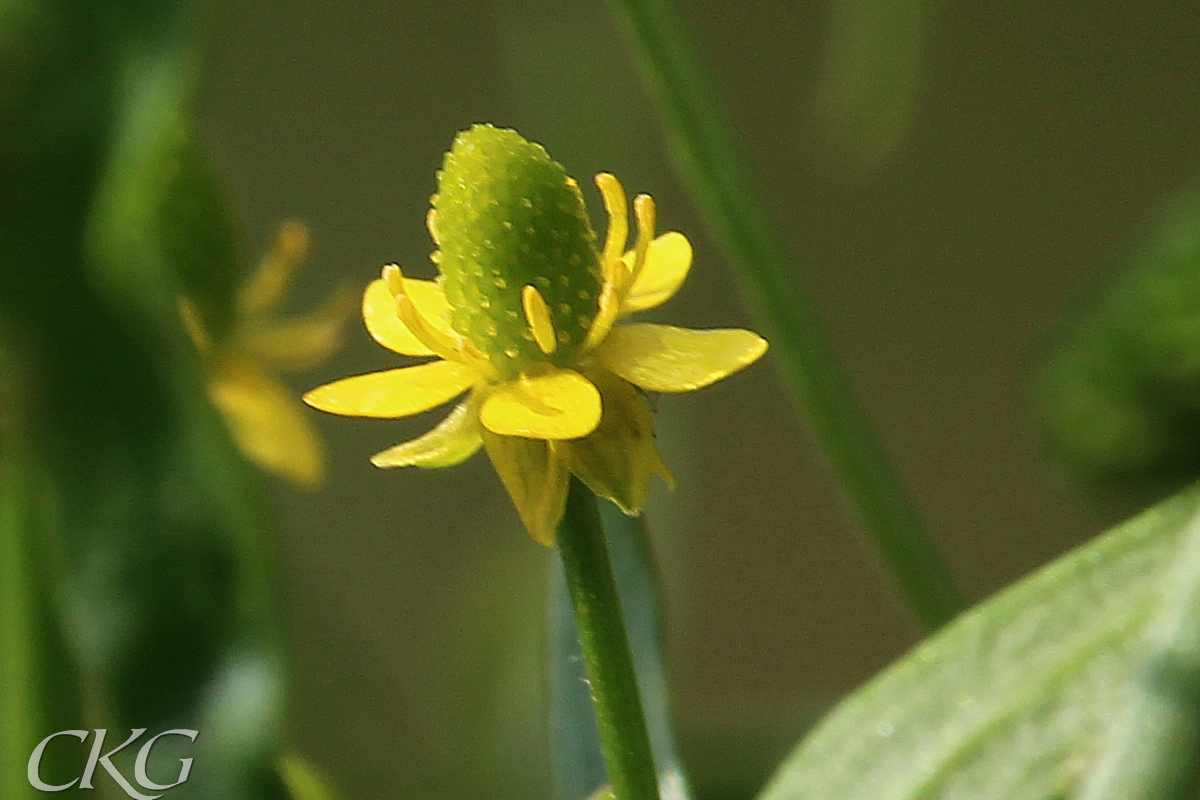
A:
x,y
142,581
1008,701
1119,394
1150,750
710,162
302,779
867,89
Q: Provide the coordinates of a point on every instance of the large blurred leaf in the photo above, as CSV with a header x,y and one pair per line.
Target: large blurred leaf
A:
x,y
1011,700
38,686
1151,750
137,531
195,227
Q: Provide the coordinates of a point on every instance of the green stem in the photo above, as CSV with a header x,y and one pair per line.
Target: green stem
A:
x,y
711,166
598,616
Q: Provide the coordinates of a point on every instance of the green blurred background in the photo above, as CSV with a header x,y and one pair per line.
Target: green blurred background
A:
x,y
945,235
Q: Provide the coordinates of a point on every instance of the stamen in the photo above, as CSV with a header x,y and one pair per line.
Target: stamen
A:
x,y
537,313
606,315
393,279
441,344
436,341
473,357
618,223
644,212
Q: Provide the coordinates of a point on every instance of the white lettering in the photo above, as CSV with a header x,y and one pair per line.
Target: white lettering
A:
x,y
95,759
35,760
185,769
103,760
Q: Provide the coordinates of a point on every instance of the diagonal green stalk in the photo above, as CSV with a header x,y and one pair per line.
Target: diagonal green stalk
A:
x,y
606,654
703,149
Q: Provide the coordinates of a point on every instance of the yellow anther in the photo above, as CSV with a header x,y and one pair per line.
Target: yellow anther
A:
x,y
608,307
537,313
470,354
618,223
644,212
393,279
426,334
441,344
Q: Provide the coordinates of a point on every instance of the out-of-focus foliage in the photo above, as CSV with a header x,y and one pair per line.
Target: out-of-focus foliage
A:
x,y
1013,698
139,592
709,159
868,86
302,780
1119,395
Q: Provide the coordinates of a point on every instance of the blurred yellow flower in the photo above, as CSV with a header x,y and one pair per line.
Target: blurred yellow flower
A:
x,y
267,424
571,403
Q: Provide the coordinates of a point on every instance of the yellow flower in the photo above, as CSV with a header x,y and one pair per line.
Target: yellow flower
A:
x,y
267,424
553,386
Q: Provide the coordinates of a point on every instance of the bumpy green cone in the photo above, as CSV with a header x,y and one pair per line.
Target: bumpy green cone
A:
x,y
508,216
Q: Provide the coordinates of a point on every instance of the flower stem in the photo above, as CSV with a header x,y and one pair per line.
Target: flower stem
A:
x,y
606,654
706,156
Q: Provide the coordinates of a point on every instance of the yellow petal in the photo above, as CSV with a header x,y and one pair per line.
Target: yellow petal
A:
x,y
661,358
453,441
535,475
557,404
617,459
394,393
384,325
666,268
266,422
300,342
